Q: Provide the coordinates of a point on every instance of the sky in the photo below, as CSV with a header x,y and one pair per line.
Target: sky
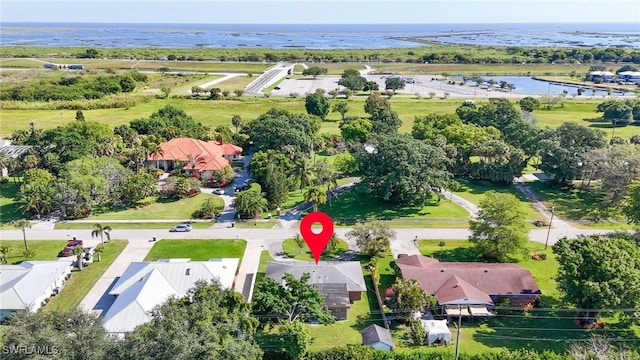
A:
x,y
320,11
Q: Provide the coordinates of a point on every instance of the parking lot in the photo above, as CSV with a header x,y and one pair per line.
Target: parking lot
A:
x,y
421,84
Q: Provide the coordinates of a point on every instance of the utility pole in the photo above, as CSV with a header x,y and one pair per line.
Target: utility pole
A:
x,y
553,208
458,335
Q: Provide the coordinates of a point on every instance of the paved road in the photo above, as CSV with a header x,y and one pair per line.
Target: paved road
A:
x,y
273,234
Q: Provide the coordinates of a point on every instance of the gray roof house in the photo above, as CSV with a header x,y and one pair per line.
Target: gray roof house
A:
x,y
144,285
377,337
340,282
27,286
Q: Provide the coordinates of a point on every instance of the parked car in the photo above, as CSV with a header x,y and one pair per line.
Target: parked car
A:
x,y
181,228
68,249
218,191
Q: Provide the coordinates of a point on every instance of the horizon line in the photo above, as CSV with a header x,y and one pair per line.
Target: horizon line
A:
x,y
306,23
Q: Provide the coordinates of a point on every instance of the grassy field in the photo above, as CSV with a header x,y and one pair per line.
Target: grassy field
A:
x,y
77,287
291,249
579,206
9,210
197,250
185,89
474,192
220,112
582,112
351,206
44,249
161,209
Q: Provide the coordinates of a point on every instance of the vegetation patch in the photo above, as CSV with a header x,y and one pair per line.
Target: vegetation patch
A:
x,y
196,250
81,282
292,250
168,209
351,207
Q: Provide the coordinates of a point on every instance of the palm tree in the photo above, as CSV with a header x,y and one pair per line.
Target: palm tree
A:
x,y
98,251
194,161
236,120
154,152
303,172
326,175
250,203
101,231
78,251
23,224
4,253
315,196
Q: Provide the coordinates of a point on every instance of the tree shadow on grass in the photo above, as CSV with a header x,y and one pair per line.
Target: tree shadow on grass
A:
x,y
9,212
571,203
462,254
352,207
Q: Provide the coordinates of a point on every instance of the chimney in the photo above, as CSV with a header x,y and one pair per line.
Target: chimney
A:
x,y
220,140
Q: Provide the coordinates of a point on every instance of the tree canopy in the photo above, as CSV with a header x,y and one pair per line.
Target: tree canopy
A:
x,y
317,104
599,272
296,299
500,229
373,238
403,170
210,323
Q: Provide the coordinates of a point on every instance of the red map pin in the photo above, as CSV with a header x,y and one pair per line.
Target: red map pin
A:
x,y
316,242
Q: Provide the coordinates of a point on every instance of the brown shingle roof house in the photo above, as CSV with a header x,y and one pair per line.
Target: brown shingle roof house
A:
x,y
207,155
454,283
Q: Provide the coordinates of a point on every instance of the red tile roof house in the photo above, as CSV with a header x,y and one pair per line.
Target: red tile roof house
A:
x,y
474,285
208,156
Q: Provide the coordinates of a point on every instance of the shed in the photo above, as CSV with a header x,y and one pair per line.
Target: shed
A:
x,y
377,337
437,331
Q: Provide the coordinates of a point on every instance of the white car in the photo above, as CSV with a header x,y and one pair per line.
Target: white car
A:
x,y
181,228
218,191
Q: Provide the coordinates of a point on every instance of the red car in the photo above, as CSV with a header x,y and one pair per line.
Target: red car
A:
x,y
68,250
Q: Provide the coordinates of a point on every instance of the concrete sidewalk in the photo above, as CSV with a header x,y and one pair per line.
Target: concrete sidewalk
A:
x,y
249,268
97,300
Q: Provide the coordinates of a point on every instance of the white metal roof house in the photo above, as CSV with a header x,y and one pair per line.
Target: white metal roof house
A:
x,y
145,285
26,286
605,76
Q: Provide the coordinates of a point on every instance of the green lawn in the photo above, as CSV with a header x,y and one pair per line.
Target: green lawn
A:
x,y
8,207
161,209
184,89
473,191
292,250
580,206
249,224
197,250
582,112
44,249
131,225
351,206
77,287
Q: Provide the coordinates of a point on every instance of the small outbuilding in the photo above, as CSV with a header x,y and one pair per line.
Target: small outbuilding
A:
x,y
437,332
377,337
